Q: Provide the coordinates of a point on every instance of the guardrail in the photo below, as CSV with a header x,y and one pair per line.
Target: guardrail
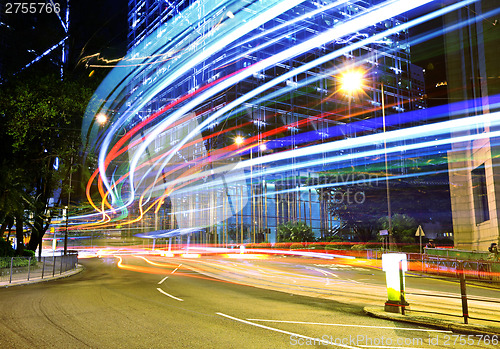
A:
x,y
15,269
483,270
465,299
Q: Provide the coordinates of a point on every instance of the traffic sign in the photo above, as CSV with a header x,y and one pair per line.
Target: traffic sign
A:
x,y
420,231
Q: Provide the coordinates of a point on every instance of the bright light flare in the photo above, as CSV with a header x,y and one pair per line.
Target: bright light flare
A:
x,y
101,118
238,140
352,81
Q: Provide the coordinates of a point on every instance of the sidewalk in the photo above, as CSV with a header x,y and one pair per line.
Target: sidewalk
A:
x,y
34,280
435,321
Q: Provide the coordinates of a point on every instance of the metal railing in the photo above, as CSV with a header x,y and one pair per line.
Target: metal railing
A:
x,y
478,270
461,275
16,269
482,270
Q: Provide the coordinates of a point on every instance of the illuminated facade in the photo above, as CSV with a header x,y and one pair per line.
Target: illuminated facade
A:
x,y
304,109
472,73
28,39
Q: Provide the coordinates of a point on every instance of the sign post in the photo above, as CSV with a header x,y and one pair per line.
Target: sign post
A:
x,y
420,233
384,233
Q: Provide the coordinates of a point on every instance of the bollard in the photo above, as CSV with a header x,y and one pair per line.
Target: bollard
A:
x,y
29,268
43,265
402,287
394,265
11,261
463,292
53,265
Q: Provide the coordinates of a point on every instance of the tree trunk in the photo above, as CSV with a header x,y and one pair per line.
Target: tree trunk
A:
x,y
2,228
19,234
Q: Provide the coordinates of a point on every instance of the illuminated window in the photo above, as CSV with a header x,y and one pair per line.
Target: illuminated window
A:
x,y
480,195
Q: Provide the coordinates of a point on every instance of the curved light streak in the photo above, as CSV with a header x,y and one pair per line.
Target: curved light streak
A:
x,y
167,118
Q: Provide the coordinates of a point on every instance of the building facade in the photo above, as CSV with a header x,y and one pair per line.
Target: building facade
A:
x,y
472,71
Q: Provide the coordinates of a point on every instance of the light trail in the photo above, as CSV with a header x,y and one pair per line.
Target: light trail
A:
x,y
149,177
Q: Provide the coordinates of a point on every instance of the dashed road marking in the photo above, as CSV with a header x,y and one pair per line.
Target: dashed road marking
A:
x,y
169,295
316,340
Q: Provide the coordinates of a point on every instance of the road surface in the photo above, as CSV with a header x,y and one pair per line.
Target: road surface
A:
x,y
152,302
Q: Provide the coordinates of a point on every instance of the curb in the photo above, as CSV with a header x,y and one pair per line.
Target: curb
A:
x,y
78,270
433,322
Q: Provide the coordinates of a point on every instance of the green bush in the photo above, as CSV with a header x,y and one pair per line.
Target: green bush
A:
x,y
295,231
28,253
282,245
316,246
358,247
338,246
6,249
296,246
16,262
333,238
410,248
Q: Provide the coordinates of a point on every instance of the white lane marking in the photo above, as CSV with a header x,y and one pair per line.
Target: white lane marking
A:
x,y
173,271
166,294
165,278
346,325
386,347
286,332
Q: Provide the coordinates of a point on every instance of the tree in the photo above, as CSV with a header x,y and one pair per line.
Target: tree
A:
x,y
293,231
358,208
40,120
403,227
13,201
360,204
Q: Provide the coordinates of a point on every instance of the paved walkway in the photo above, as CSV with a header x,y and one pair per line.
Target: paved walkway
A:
x,y
20,280
437,321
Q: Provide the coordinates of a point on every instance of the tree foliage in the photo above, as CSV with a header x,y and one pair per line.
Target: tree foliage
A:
x,y
40,124
403,227
360,204
295,231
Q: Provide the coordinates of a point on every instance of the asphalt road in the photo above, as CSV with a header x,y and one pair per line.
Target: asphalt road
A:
x,y
162,303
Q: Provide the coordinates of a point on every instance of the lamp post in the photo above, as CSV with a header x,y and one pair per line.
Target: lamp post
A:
x,y
352,82
391,237
239,140
67,207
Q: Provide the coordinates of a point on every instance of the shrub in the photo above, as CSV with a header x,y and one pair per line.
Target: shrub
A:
x,y
282,245
316,246
410,248
28,253
296,246
6,249
295,231
358,247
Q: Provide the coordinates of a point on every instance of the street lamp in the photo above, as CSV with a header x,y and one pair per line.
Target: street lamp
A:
x,y
238,140
352,82
101,118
